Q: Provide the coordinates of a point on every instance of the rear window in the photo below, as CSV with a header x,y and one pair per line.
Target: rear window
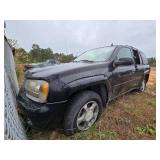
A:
x,y
144,59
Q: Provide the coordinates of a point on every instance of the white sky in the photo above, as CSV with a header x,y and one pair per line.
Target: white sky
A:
x,y
77,36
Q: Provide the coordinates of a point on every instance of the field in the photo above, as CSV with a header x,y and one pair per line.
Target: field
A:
x,y
132,116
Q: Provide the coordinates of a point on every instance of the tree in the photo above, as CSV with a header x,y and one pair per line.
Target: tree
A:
x,y
152,61
21,56
35,47
40,55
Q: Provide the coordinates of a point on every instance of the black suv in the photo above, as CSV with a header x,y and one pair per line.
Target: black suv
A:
x,y
72,96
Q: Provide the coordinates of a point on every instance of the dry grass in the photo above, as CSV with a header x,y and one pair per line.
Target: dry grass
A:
x,y
132,116
20,73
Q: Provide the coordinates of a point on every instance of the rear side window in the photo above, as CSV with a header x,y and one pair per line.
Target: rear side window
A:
x,y
124,53
144,59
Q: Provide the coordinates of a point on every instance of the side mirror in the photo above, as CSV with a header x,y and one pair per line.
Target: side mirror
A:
x,y
124,62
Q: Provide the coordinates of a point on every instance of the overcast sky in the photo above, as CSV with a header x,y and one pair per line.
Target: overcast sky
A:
x,y
77,36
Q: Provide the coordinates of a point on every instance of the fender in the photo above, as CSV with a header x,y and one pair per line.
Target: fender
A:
x,y
86,82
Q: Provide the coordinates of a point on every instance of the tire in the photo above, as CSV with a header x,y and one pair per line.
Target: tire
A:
x,y
143,86
83,111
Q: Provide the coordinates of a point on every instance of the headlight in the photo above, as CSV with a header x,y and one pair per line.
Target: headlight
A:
x,y
37,90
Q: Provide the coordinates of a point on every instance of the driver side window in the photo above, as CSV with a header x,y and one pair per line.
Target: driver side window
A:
x,y
124,53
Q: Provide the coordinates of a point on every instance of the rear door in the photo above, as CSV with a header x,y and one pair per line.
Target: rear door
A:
x,y
139,72
123,76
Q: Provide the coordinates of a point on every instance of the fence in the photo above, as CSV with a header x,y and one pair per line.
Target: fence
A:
x,y
13,127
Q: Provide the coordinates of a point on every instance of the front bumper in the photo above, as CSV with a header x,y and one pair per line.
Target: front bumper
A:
x,y
42,116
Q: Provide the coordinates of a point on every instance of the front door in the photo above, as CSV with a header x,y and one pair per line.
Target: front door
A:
x,y
123,76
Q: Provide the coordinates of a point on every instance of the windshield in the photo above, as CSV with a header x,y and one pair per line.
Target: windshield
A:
x,y
96,55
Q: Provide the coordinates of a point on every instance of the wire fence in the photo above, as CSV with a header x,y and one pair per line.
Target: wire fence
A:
x,y
13,127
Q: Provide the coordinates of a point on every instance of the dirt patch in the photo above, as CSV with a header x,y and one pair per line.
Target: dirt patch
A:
x,y
152,77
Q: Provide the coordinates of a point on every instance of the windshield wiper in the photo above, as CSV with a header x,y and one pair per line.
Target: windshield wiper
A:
x,y
84,60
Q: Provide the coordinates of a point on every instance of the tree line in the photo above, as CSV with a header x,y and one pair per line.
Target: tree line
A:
x,y
37,54
152,61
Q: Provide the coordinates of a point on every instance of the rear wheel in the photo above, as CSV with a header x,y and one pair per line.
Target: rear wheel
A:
x,y
84,109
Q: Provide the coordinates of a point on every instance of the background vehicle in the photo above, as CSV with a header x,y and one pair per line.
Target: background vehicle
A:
x,y
72,96
42,64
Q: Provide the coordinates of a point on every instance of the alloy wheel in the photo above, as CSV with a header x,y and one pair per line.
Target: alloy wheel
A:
x,y
87,115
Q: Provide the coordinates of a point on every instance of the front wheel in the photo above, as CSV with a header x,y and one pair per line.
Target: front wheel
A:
x,y
84,109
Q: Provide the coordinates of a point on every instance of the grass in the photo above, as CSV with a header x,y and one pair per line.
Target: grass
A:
x,y
146,130
132,116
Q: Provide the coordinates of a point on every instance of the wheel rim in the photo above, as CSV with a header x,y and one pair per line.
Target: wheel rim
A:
x,y
87,115
142,88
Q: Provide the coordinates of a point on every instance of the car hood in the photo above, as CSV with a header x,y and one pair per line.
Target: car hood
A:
x,y
73,70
